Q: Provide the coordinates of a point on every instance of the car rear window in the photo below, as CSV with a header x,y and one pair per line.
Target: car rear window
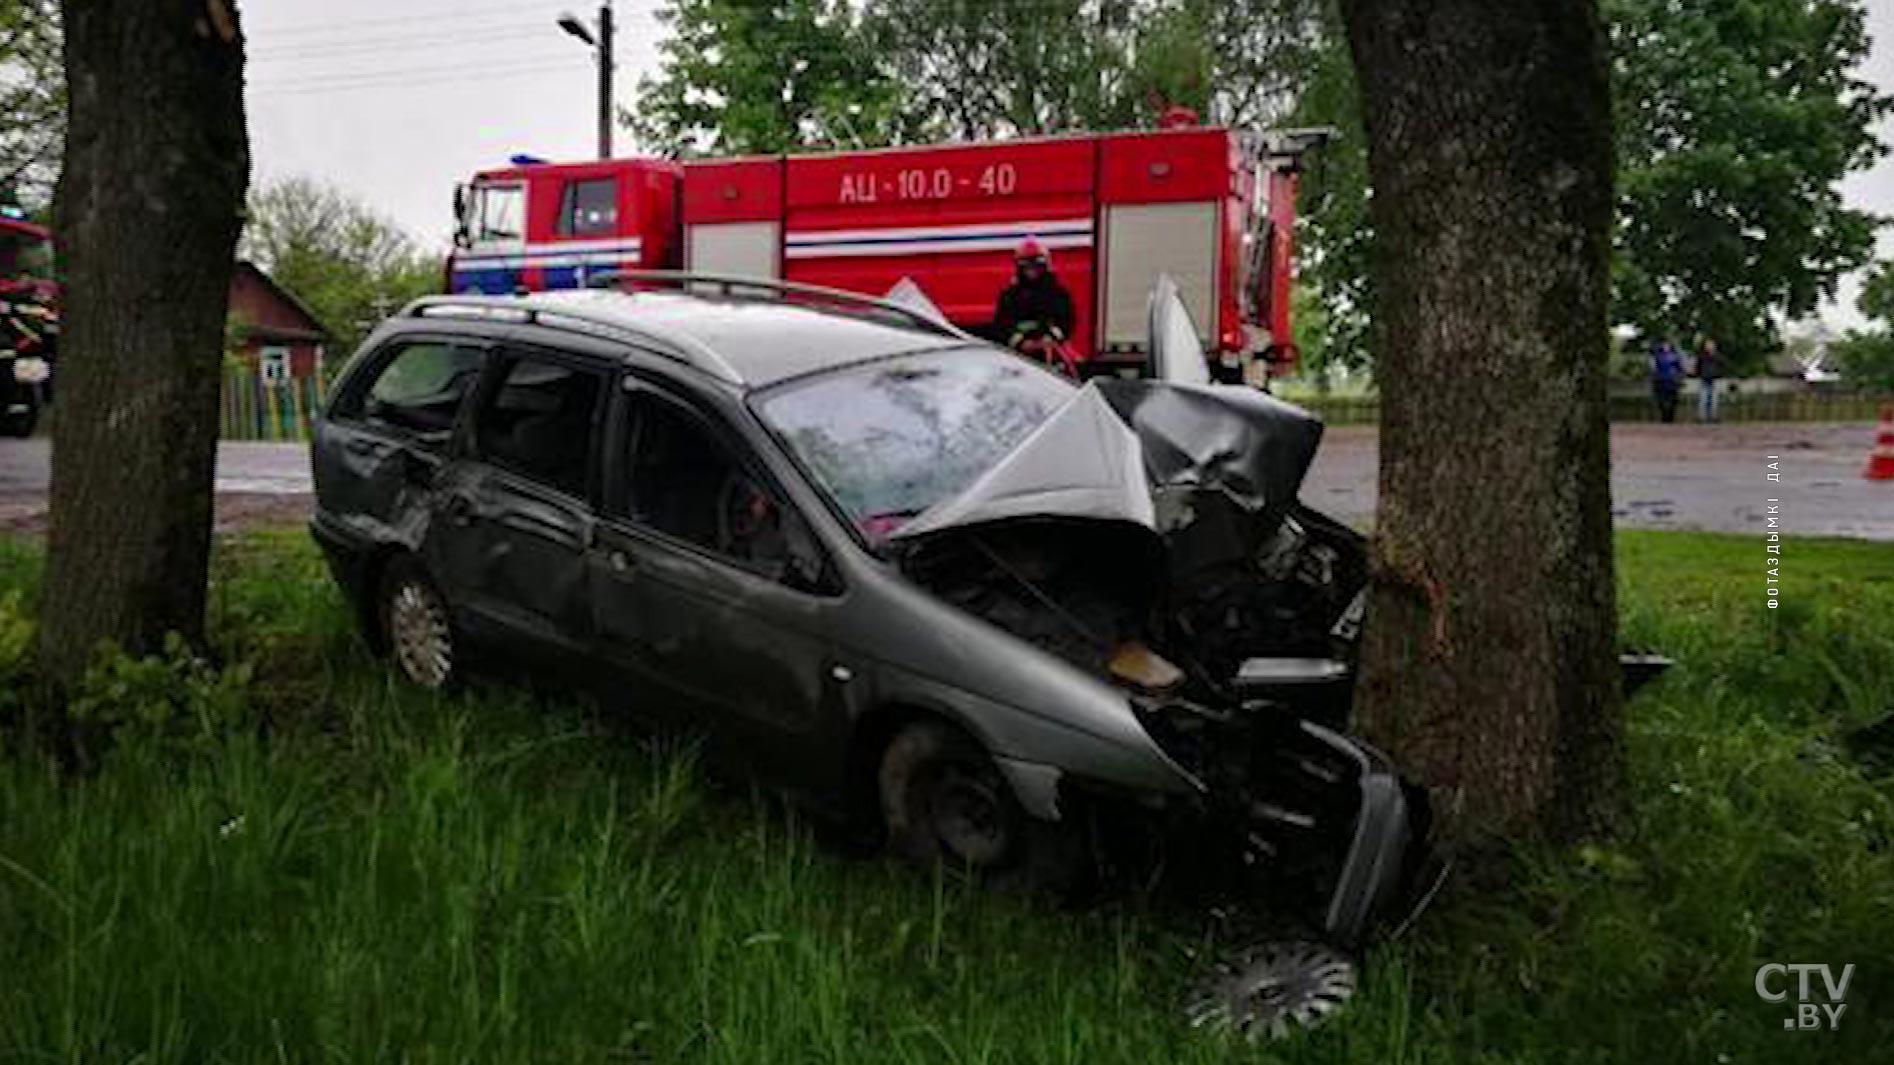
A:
x,y
419,388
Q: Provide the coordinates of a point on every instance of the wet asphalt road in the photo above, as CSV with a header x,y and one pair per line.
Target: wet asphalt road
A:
x,y
267,469
1663,477
1702,477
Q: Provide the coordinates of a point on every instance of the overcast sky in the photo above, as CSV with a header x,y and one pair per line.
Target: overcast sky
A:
x,y
396,100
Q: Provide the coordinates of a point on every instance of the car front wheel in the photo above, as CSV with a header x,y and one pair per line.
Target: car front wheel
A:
x,y
944,802
415,621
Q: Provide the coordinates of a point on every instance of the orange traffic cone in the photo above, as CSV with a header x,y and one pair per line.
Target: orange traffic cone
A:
x,y
1881,459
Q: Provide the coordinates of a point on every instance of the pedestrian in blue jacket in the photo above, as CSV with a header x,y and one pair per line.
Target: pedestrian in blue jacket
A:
x,y
1667,376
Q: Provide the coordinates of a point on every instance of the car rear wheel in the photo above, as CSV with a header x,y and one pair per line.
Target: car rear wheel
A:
x,y
418,628
944,803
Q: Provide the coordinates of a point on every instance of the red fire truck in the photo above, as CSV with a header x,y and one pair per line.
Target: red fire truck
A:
x,y
1213,208
29,322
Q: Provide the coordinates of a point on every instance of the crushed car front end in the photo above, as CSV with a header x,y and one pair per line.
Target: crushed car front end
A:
x,y
1148,534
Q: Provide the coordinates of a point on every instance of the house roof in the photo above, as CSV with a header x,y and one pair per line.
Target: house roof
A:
x,y
313,329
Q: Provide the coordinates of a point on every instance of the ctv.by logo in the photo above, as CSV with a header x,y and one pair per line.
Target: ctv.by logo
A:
x,y
1808,1015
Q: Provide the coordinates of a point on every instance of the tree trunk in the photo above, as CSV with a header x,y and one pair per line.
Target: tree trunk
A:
x,y
157,163
1489,660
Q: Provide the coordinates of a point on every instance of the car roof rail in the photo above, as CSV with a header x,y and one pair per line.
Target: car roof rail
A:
x,y
737,286
574,319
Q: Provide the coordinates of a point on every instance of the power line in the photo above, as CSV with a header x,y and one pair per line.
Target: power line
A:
x,y
450,17
423,75
321,90
431,40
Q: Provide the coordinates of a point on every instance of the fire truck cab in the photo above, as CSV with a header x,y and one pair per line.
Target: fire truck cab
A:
x,y
1212,208
536,225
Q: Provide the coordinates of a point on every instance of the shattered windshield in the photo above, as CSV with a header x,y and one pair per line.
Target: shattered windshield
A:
x,y
890,439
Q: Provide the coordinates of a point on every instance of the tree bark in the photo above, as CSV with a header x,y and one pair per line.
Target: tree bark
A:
x,y
1489,658
149,207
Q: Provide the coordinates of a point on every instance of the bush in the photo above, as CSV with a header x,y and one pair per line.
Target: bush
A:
x,y
17,633
173,698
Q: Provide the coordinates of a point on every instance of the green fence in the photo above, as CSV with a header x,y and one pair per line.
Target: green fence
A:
x,y
259,409
1798,406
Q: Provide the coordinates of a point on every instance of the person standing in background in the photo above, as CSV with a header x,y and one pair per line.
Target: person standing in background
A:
x,y
1709,368
1667,375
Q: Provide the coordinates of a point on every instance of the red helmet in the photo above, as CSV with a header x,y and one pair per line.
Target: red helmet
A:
x,y
1030,249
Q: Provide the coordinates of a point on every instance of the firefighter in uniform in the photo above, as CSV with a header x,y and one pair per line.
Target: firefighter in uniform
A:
x,y
1034,314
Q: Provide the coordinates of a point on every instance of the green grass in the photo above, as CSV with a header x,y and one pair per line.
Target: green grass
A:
x,y
363,872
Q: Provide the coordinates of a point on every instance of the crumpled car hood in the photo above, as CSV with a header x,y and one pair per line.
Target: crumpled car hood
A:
x,y
1118,445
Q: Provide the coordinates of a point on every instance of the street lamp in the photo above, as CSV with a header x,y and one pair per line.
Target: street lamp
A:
x,y
601,45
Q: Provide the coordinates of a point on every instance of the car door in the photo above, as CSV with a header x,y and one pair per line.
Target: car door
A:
x,y
386,433
710,590
513,513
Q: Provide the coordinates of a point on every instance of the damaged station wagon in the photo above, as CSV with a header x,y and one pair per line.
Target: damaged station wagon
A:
x,y
891,569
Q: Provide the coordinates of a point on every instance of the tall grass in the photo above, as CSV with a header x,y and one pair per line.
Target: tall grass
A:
x,y
364,872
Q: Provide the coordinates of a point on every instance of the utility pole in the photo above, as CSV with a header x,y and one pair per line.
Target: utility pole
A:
x,y
602,53
605,80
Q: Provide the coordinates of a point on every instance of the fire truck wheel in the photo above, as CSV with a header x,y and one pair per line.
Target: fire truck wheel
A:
x,y
20,420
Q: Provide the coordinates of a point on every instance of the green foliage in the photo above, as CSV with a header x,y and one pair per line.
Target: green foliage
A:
x,y
744,77
176,696
1332,202
1736,121
1242,63
975,69
738,77
348,265
1866,357
32,100
495,878
18,631
1877,294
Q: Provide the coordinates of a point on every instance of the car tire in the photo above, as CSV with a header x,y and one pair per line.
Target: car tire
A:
x,y
417,627
945,804
20,423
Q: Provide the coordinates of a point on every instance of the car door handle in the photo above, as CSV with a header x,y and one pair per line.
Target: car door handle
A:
x,y
361,446
460,510
621,562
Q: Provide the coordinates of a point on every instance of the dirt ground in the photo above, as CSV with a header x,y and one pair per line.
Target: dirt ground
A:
x,y
26,515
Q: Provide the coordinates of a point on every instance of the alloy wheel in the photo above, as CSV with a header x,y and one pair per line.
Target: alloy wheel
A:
x,y
419,634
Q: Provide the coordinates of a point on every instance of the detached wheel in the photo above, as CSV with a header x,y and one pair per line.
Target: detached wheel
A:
x,y
419,631
1274,990
944,802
